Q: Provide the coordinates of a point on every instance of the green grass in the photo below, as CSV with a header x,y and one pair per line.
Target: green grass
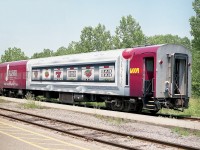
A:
x,y
193,110
92,104
185,132
181,131
44,99
31,104
40,98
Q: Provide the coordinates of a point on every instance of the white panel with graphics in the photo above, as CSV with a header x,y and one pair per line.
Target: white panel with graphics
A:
x,y
58,73
46,74
72,73
106,73
36,74
87,73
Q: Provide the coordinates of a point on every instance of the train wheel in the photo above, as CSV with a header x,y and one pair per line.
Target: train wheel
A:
x,y
117,105
11,94
128,107
1,92
108,105
139,108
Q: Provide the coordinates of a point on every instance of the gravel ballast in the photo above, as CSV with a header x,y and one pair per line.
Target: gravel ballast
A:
x,y
117,124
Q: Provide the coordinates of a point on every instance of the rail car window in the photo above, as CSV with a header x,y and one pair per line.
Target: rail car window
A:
x,y
149,64
127,72
77,73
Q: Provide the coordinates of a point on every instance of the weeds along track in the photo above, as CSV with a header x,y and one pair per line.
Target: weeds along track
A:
x,y
113,138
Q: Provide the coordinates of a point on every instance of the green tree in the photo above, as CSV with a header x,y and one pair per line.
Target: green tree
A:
x,y
170,39
195,25
74,47
45,53
102,38
196,73
94,39
195,32
13,54
128,33
86,39
61,51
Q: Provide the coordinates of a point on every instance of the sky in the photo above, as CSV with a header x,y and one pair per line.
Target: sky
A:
x,y
33,25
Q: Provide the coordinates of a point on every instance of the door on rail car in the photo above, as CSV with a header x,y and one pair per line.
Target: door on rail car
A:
x,y
148,76
179,75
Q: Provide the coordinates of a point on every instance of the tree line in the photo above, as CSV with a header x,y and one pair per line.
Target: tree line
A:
x,y
127,34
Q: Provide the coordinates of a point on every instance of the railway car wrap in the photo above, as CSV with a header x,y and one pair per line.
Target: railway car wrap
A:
x,y
132,79
92,73
13,77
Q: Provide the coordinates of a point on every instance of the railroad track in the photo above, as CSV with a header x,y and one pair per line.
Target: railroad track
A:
x,y
181,117
192,118
121,140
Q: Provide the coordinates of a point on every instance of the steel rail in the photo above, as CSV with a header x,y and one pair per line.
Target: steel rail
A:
x,y
192,118
97,129
181,117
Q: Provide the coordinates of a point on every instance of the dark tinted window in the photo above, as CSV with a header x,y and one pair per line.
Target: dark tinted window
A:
x,y
149,64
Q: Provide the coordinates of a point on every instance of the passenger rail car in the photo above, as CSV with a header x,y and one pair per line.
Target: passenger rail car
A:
x,y
149,77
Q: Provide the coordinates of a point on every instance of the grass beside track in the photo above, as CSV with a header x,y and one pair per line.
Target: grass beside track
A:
x,y
193,110
185,132
92,104
31,104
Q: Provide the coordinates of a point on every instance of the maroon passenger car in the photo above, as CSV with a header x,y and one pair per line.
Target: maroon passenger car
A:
x,y
13,78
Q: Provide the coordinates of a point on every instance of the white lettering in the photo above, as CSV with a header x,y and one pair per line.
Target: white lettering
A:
x,y
12,73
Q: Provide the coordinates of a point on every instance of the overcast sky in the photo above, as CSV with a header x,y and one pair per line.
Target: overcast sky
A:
x,y
33,25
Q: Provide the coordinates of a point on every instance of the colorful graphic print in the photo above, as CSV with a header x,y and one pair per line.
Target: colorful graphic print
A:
x,y
107,73
58,73
46,74
88,73
35,74
72,73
